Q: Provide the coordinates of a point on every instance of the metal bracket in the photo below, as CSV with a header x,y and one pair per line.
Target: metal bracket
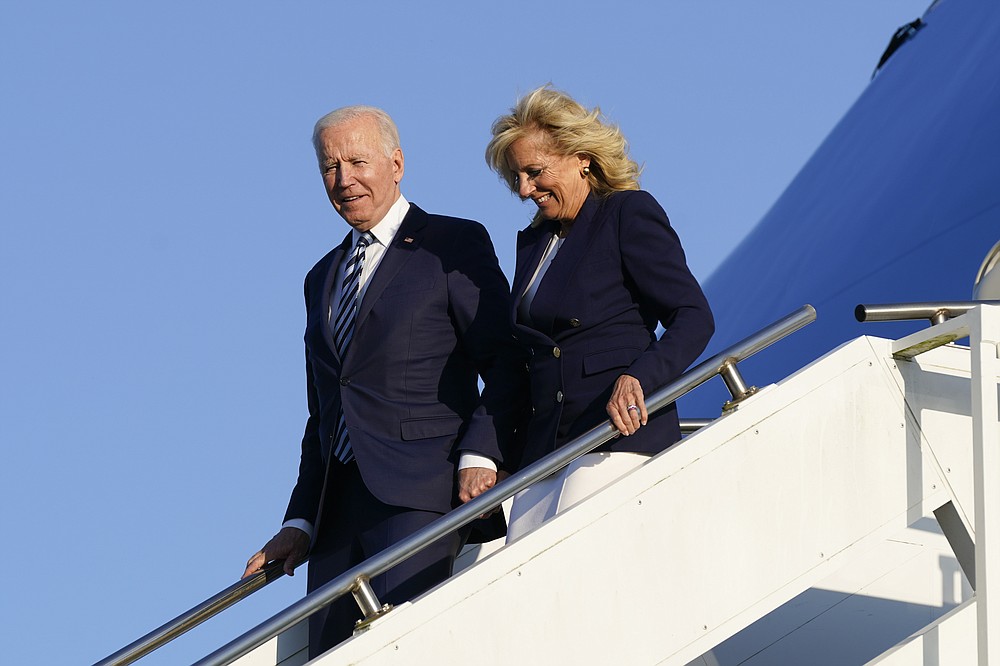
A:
x,y
368,602
734,382
940,317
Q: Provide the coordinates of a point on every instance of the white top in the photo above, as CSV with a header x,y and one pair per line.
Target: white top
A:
x,y
524,307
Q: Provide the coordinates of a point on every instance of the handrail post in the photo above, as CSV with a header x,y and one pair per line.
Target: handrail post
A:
x,y
940,317
365,596
734,382
368,602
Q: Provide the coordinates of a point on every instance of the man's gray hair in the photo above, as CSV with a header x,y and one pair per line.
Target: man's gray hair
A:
x,y
386,128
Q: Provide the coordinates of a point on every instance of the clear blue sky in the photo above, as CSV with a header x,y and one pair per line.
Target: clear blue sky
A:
x,y
160,206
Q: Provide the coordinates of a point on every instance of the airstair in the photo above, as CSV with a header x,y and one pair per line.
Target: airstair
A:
x,y
843,515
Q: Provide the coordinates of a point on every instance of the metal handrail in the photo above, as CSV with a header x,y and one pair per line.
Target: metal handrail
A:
x,y
457,518
453,520
689,426
936,313
195,616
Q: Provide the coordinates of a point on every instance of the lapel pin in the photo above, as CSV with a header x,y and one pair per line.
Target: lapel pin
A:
x,y
408,239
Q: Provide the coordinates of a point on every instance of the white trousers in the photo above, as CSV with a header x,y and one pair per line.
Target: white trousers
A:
x,y
580,479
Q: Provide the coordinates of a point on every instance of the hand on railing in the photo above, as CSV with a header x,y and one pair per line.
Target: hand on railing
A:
x,y
289,544
627,406
474,481
486,501
193,617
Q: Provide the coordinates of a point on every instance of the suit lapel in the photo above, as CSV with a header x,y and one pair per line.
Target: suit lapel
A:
x,y
577,245
531,244
406,240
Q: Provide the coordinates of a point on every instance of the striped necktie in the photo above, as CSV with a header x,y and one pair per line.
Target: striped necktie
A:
x,y
343,331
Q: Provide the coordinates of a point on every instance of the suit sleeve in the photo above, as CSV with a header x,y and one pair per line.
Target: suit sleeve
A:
x,y
479,299
305,498
656,267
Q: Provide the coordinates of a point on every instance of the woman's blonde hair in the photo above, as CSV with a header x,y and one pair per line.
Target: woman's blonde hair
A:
x,y
571,130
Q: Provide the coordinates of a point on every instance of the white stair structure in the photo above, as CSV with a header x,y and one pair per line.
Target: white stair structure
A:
x,y
836,467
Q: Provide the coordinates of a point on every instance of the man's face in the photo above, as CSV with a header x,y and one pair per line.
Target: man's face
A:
x,y
361,181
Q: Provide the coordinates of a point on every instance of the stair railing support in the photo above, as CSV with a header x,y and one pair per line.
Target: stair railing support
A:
x,y
368,602
734,382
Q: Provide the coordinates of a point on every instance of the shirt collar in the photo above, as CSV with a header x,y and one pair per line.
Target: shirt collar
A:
x,y
387,227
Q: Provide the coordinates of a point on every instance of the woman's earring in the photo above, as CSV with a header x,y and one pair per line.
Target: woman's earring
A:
x,y
586,171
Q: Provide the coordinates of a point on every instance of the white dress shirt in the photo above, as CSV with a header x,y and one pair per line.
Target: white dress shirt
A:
x,y
383,233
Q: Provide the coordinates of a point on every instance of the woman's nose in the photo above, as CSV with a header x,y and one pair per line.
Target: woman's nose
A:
x,y
524,187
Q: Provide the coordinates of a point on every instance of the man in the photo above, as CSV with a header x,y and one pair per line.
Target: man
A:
x,y
401,318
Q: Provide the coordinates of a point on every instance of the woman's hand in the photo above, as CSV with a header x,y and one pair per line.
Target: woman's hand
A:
x,y
627,408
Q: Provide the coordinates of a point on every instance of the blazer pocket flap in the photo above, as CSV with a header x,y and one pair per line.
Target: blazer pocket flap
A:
x,y
431,427
611,358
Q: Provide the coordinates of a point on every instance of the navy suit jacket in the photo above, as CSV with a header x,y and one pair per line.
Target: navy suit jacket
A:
x,y
433,318
619,273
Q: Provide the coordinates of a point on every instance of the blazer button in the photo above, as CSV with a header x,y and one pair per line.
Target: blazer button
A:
x,y
344,381
556,352
574,322
559,396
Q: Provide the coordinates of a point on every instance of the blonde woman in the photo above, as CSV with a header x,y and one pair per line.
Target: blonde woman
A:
x,y
598,269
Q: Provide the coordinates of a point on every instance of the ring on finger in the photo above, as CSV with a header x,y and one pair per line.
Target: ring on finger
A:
x,y
631,407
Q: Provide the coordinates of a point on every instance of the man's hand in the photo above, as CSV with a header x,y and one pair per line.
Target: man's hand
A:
x,y
290,544
474,481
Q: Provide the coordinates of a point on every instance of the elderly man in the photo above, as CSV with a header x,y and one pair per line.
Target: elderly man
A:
x,y
403,317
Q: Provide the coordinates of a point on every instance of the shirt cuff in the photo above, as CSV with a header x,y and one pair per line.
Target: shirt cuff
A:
x,y
300,524
470,459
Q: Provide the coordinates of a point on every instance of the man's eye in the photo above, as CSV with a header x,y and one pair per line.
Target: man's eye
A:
x,y
329,168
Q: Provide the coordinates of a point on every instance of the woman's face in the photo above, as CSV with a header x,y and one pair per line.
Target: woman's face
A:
x,y
555,183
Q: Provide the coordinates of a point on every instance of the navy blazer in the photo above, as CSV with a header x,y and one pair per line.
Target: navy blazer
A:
x,y
432,320
619,273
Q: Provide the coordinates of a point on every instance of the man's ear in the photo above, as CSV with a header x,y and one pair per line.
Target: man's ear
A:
x,y
397,165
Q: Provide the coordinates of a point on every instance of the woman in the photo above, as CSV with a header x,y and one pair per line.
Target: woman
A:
x,y
597,270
